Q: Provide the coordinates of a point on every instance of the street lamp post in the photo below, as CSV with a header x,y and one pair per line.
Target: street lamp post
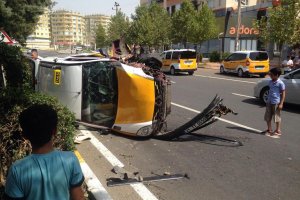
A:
x,y
237,43
116,5
220,44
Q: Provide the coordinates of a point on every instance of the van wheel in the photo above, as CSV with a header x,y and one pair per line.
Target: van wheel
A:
x,y
222,70
240,73
262,75
172,71
191,73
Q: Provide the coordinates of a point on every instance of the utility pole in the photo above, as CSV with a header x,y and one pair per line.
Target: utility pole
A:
x,y
237,43
117,5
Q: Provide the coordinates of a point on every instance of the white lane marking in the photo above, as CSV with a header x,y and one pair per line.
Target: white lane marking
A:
x,y
227,79
221,119
140,188
184,107
173,82
240,125
93,183
91,180
242,95
103,150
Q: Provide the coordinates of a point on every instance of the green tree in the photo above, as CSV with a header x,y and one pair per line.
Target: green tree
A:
x,y
282,24
118,27
206,26
183,23
18,18
151,26
100,36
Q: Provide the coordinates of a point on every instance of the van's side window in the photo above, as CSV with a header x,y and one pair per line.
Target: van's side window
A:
x,y
163,55
231,57
241,56
168,55
175,55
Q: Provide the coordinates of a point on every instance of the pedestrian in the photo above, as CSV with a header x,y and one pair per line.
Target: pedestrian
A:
x,y
275,101
297,62
47,173
293,54
34,54
287,65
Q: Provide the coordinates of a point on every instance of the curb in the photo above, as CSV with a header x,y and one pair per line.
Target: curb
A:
x,y
94,187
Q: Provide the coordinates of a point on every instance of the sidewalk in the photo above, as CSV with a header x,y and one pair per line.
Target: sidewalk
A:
x,y
209,65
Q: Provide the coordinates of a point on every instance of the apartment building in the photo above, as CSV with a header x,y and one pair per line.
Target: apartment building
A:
x,y
41,37
226,16
173,5
68,28
91,23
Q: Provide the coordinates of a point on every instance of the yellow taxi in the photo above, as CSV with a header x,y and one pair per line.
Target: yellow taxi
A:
x,y
179,60
246,63
105,92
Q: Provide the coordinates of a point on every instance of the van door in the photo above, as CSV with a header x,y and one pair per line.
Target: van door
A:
x,y
64,82
167,62
228,62
239,60
259,62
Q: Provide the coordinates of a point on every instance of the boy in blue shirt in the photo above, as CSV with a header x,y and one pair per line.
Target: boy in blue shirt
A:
x,y
46,174
275,101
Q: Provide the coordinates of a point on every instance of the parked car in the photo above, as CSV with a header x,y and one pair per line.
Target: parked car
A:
x,y
246,62
179,60
292,83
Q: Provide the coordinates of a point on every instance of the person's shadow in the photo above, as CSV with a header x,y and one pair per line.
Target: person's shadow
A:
x,y
292,108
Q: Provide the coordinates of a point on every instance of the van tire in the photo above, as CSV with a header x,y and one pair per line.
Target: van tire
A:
x,y
191,73
222,70
262,75
172,71
240,73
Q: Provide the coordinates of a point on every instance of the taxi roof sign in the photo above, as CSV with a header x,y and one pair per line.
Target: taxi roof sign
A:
x,y
5,38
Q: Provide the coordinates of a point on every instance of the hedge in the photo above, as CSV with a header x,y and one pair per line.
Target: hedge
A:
x,y
17,96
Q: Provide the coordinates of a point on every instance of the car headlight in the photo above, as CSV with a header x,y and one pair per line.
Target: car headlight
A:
x,y
144,131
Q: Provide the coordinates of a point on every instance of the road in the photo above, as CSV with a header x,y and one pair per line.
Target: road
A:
x,y
263,168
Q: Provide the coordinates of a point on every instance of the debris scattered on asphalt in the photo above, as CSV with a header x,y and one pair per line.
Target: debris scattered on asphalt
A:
x,y
81,137
118,182
127,177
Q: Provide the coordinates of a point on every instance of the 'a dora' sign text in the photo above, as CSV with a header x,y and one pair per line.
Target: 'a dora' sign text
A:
x,y
244,30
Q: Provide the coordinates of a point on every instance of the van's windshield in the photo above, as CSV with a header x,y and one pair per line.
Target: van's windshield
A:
x,y
188,55
259,56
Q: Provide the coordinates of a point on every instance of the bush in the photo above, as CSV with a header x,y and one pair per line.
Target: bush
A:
x,y
225,55
199,57
214,56
17,96
13,146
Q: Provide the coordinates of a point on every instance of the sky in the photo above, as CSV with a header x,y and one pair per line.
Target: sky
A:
x,y
86,7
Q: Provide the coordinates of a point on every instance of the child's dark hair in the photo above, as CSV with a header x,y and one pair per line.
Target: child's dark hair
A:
x,y
38,123
276,71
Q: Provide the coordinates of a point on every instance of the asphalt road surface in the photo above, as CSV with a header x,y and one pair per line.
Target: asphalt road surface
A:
x,y
263,168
